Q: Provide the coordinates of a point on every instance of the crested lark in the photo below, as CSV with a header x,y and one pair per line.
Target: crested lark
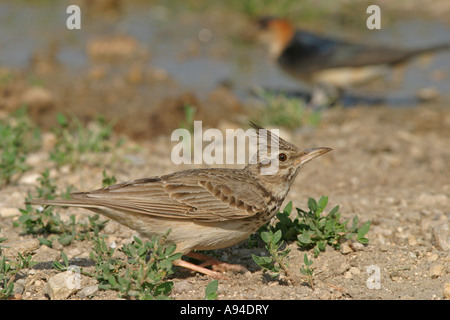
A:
x,y
203,208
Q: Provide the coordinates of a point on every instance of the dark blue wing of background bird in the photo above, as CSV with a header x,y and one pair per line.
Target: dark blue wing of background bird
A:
x,y
307,53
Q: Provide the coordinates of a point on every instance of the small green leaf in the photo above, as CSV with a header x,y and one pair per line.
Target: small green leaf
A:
x,y
46,242
321,245
266,236
58,266
363,240
323,201
164,288
66,239
288,208
305,259
170,249
333,212
276,237
363,230
142,251
354,223
138,240
312,204
304,239
65,259
211,290
62,120
176,256
263,262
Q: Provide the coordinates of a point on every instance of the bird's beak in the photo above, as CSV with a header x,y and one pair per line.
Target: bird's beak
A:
x,y
310,154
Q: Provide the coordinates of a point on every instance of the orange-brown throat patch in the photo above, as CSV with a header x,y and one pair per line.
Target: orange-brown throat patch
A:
x,y
281,33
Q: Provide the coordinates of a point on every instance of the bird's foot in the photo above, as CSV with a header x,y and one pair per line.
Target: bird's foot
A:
x,y
216,264
214,274
218,267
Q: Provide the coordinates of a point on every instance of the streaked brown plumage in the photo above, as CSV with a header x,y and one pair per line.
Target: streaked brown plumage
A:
x,y
203,208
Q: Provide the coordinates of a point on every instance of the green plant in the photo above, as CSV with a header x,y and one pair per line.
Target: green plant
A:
x,y
18,137
188,123
312,229
62,266
47,186
108,180
1,240
65,265
307,271
7,276
9,270
290,112
142,274
44,221
318,231
40,220
74,140
211,290
277,261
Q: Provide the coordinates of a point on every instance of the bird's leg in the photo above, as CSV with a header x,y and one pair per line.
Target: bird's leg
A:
x,y
194,267
216,265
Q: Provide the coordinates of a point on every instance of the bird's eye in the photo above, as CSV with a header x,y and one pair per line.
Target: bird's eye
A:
x,y
282,157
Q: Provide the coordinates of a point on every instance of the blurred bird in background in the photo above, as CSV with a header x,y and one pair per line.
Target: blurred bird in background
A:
x,y
328,63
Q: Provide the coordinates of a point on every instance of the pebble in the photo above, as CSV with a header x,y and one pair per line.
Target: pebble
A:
x,y
45,253
343,267
9,212
428,94
354,270
181,286
35,159
61,286
38,99
440,236
433,257
72,253
447,291
88,291
345,248
412,241
436,271
24,247
431,200
357,246
30,179
19,286
119,47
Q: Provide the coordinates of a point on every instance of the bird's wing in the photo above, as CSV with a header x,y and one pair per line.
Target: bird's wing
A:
x,y
309,52
195,197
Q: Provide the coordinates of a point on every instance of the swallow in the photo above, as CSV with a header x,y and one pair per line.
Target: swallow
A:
x,y
314,58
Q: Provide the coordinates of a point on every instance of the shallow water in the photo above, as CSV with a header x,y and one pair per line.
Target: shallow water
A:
x,y
171,37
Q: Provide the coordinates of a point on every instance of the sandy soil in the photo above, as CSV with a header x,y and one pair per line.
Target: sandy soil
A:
x,y
388,166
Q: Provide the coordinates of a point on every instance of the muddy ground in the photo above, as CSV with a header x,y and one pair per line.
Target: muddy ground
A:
x,y
388,165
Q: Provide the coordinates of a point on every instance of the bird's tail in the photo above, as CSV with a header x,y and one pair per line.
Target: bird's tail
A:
x,y
62,202
432,49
